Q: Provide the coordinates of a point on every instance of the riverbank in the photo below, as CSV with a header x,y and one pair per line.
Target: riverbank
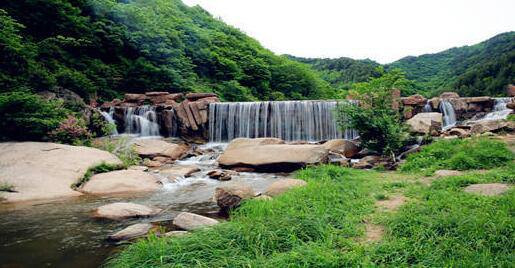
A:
x,y
346,217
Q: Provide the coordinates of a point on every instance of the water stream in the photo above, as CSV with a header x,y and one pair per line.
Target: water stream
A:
x,y
449,116
62,233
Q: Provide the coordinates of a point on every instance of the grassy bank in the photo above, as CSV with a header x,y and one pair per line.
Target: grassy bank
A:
x,y
323,225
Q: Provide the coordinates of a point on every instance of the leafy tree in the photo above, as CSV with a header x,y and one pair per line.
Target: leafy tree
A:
x,y
377,122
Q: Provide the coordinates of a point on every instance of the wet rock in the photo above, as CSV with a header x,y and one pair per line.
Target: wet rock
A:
x,y
344,147
175,233
121,181
425,123
243,169
511,105
230,196
132,232
488,189
221,175
271,157
367,162
122,210
39,170
153,147
189,221
435,103
282,186
179,171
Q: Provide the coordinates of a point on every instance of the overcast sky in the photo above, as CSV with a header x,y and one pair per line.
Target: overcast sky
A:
x,y
382,30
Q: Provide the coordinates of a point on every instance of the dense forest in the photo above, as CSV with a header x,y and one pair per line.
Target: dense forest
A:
x,y
482,69
103,48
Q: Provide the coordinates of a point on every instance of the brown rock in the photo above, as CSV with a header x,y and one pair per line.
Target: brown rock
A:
x,y
511,105
121,181
230,196
414,100
156,93
152,163
344,147
132,232
425,123
179,171
189,221
134,98
488,126
243,169
196,114
162,159
121,210
396,98
460,132
196,96
435,103
282,186
154,147
367,162
449,95
221,175
189,115
510,90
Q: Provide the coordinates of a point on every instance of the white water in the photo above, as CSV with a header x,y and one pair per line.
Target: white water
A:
x,y
449,116
108,116
288,120
500,111
141,121
427,108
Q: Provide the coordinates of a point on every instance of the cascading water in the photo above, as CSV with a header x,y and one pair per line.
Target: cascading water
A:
x,y
288,120
427,108
500,110
108,116
141,121
449,116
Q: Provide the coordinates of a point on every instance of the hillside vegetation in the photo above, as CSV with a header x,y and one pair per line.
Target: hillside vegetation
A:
x,y
103,48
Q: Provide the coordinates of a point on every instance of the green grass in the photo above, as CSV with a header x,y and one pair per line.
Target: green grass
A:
x,y
320,225
120,147
459,154
101,168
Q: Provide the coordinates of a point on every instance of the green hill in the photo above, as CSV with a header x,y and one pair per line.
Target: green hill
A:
x,y
103,48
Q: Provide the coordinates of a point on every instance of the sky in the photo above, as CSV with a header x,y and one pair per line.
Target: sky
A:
x,y
381,30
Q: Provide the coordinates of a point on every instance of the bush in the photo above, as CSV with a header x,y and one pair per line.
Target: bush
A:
x,y
26,116
456,154
71,131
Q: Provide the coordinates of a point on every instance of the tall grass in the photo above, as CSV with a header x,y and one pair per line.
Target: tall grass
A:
x,y
459,154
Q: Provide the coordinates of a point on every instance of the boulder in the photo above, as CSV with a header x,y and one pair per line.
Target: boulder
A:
x,y
134,98
132,232
460,132
488,126
449,95
283,185
197,96
425,123
121,210
344,147
367,162
269,156
121,181
152,163
230,196
154,147
179,171
189,221
221,175
414,100
510,90
435,103
511,105
39,170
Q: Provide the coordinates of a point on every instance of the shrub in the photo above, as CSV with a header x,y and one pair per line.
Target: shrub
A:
x,y
26,116
456,154
120,147
71,131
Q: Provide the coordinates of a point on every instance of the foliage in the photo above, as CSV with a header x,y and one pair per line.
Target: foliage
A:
x,y
458,154
482,69
99,126
26,116
71,131
121,147
321,225
100,168
5,187
377,122
105,48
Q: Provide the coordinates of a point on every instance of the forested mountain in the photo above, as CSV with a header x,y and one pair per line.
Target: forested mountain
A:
x,y
342,72
103,48
481,69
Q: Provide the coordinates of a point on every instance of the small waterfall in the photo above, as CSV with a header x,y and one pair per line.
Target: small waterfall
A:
x,y
108,116
449,116
427,108
500,110
288,120
141,121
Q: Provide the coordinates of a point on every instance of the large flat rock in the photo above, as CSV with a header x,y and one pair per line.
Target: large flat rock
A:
x,y
269,155
40,170
121,181
425,123
155,147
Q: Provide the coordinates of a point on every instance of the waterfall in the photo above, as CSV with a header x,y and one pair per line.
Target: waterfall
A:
x,y
288,120
141,121
449,116
500,110
108,116
427,108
